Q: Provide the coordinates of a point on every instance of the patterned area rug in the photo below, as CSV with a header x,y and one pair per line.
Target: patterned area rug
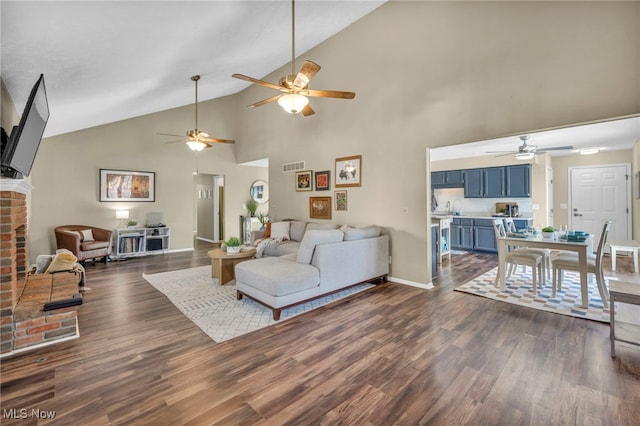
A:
x,y
216,310
518,291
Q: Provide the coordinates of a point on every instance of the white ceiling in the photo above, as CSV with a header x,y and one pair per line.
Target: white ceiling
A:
x,y
606,135
106,61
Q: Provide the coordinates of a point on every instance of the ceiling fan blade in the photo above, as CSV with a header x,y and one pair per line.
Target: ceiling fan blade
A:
x,y
328,94
178,140
307,71
307,110
170,134
500,152
508,153
256,81
264,101
556,148
216,140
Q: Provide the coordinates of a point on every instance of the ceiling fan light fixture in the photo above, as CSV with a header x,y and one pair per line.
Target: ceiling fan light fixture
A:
x,y
293,103
525,155
196,145
589,151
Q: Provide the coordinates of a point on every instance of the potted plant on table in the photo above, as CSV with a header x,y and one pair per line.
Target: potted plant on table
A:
x,y
548,232
233,245
131,223
263,218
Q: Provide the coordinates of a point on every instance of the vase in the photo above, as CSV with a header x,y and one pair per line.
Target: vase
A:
x,y
233,250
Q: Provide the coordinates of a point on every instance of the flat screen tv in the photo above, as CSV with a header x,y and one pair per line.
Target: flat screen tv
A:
x,y
21,147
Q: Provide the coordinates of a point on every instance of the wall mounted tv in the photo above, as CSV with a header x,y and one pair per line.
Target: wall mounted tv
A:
x,y
20,148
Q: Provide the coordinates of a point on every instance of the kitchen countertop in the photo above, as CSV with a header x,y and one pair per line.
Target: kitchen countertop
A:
x,y
479,216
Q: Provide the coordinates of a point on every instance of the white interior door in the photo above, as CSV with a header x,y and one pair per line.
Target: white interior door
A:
x,y
598,194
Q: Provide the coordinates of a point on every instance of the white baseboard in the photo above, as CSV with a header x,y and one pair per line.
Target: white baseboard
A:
x,y
427,286
207,240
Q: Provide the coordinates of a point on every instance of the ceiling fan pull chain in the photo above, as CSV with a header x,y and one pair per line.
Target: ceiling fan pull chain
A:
x,y
196,78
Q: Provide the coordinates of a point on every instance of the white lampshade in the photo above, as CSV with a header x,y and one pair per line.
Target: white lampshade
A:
x,y
293,103
196,145
122,214
525,155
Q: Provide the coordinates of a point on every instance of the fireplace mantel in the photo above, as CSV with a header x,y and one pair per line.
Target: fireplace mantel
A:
x,y
16,185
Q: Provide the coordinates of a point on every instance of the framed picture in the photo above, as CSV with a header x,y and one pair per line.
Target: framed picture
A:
x,y
341,200
320,207
348,171
125,185
304,180
323,180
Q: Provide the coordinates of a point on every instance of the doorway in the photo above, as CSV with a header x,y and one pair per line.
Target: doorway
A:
x,y
209,207
598,194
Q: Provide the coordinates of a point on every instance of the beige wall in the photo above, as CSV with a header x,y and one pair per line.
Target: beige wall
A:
x,y
426,74
8,115
66,173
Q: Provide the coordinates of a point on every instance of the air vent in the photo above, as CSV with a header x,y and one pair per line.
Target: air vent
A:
x,y
292,167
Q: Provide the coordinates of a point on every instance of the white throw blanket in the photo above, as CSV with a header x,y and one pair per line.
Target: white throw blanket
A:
x,y
263,243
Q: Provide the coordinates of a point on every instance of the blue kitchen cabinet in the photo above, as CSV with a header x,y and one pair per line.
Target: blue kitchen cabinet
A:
x,y
466,237
454,239
484,237
434,251
447,179
494,182
461,234
473,183
518,181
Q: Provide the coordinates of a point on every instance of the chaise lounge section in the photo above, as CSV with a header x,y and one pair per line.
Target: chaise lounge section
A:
x,y
327,261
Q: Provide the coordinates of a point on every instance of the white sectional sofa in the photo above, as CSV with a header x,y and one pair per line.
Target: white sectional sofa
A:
x,y
322,262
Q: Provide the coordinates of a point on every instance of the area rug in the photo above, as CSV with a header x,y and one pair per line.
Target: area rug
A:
x,y
518,291
216,310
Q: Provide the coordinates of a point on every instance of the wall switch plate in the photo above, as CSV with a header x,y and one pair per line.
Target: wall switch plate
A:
x,y
564,206
535,206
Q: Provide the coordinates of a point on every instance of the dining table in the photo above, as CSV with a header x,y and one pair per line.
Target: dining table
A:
x,y
583,248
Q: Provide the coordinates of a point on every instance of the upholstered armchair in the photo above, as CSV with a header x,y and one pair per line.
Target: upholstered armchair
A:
x,y
86,242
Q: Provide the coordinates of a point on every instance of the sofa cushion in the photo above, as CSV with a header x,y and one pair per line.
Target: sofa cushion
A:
x,y
312,238
276,276
282,248
280,230
315,226
296,230
360,232
94,245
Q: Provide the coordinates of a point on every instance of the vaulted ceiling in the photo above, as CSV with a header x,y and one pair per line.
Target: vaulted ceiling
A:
x,y
106,61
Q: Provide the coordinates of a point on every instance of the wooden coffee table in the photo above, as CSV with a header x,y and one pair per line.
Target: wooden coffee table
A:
x,y
223,264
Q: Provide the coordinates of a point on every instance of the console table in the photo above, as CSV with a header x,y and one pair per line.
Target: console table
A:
x,y
141,241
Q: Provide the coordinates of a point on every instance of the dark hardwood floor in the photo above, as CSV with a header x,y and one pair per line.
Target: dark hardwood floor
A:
x,y
394,354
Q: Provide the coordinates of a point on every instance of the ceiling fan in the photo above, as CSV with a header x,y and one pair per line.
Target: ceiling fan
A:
x,y
294,87
526,151
196,139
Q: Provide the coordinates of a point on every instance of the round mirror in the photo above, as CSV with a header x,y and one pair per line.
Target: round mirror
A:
x,y
259,191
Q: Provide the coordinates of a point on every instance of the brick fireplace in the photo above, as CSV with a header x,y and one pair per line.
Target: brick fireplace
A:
x,y
23,323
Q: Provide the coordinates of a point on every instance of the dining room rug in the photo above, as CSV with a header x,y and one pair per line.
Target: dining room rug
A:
x,y
215,309
518,291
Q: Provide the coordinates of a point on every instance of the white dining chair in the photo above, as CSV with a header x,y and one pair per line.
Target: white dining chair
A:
x,y
520,257
570,262
545,253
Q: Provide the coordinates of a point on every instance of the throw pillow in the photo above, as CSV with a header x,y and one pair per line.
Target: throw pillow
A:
x,y
280,230
358,233
296,230
63,261
267,232
86,235
314,237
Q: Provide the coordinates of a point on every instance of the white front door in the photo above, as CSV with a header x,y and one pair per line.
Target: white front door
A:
x,y
598,194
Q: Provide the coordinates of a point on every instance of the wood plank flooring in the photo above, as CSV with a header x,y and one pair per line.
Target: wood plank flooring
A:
x,y
394,354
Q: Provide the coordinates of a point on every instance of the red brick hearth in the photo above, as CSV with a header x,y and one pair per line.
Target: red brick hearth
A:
x,y
23,323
